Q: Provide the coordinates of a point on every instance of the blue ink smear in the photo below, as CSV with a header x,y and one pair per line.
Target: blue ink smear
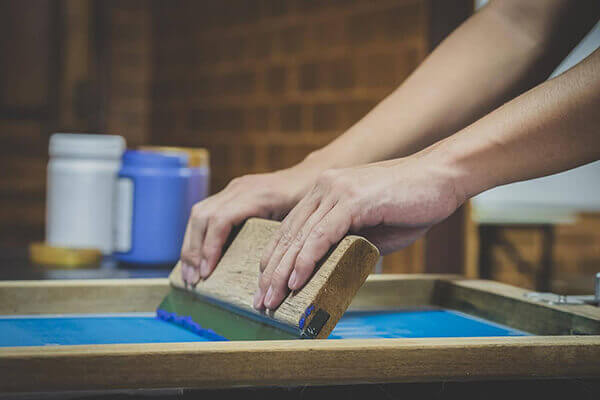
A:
x,y
416,324
92,329
301,322
189,324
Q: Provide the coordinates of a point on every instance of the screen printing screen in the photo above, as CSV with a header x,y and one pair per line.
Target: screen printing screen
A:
x,y
79,329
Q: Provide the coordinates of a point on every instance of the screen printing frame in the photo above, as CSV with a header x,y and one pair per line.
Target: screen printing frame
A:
x,y
565,344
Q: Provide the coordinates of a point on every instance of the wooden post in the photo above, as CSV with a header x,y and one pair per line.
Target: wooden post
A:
x,y
445,242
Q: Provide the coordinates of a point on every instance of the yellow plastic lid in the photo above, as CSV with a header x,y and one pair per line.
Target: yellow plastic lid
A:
x,y
43,254
197,156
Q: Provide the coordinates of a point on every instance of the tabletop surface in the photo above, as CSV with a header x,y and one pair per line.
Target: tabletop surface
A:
x,y
15,265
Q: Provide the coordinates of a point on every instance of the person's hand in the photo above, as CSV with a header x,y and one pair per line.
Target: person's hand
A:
x,y
269,195
390,203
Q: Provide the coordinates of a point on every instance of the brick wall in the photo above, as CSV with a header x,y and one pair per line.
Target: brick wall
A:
x,y
262,83
66,66
27,104
126,63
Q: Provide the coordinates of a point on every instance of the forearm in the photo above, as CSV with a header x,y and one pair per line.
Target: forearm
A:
x,y
503,50
551,128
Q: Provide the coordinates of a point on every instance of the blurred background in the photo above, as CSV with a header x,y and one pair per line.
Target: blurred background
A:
x,y
260,84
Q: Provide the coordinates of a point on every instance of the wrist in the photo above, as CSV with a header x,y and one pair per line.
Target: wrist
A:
x,y
448,165
302,176
469,161
319,160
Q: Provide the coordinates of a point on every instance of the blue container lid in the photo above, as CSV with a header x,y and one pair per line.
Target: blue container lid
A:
x,y
140,158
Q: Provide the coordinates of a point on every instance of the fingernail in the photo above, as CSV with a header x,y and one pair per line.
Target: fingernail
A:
x,y
194,276
185,272
292,282
269,297
204,268
257,299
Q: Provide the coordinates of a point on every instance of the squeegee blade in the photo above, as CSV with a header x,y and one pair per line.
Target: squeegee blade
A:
x,y
208,319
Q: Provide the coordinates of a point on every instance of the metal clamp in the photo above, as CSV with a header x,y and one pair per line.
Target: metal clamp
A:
x,y
563,300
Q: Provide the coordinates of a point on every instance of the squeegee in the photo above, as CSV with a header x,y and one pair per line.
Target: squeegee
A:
x,y
221,305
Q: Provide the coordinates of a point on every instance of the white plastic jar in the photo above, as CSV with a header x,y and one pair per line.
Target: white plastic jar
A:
x,y
81,181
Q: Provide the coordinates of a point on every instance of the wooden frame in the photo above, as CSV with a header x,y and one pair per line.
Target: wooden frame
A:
x,y
557,354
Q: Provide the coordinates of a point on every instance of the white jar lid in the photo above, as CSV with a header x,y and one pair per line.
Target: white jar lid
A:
x,y
86,145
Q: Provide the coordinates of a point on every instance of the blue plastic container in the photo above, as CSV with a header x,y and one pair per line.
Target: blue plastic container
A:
x,y
198,188
152,207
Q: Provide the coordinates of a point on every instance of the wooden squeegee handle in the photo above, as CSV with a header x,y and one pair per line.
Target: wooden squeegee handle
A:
x,y
313,310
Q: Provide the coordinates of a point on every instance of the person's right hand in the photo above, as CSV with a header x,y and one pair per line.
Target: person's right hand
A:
x,y
269,195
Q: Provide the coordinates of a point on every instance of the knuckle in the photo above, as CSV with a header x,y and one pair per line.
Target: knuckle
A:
x,y
286,239
210,247
197,211
218,221
304,265
317,233
296,242
304,233
264,281
278,279
191,257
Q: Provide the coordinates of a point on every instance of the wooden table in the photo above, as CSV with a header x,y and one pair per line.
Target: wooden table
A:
x,y
565,345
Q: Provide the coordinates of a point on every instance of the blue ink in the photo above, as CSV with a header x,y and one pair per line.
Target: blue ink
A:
x,y
301,322
189,324
309,309
416,324
92,329
307,312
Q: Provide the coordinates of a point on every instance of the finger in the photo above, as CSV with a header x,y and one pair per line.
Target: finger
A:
x,y
259,296
186,268
278,287
218,230
191,252
328,231
280,244
284,229
286,233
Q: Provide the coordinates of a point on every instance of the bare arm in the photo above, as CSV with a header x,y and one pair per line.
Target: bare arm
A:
x,y
503,50
551,128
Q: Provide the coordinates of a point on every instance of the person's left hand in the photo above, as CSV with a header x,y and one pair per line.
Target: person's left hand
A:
x,y
391,203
